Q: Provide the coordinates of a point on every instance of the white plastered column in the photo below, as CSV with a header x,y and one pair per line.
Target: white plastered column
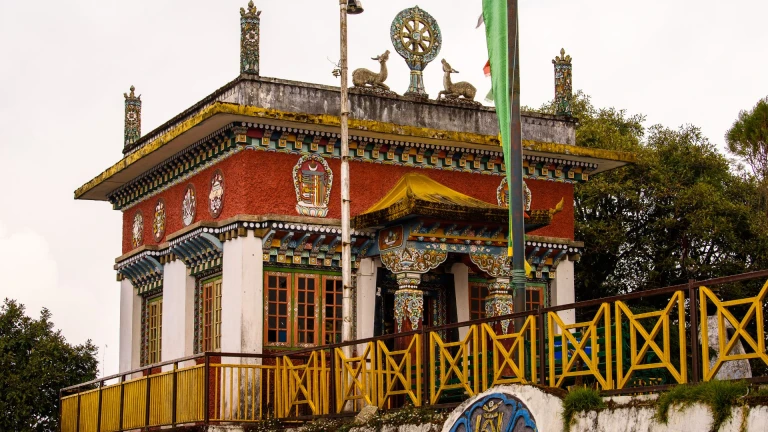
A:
x,y
242,297
178,312
130,327
461,288
563,291
366,297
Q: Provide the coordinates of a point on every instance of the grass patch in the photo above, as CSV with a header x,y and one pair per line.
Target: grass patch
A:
x,y
580,399
719,396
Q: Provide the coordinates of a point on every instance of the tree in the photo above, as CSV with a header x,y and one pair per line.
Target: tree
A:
x,y
682,211
748,138
36,362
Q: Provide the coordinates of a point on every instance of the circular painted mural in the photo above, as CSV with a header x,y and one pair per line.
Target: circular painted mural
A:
x,y
216,197
137,230
189,206
158,222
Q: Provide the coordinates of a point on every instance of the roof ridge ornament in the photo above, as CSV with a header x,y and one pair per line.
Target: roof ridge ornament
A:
x,y
563,84
250,29
132,131
417,38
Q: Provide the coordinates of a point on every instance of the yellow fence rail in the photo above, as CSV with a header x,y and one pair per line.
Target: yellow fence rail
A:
x,y
618,348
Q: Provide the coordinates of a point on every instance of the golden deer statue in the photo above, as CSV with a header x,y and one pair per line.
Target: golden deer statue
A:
x,y
454,91
363,77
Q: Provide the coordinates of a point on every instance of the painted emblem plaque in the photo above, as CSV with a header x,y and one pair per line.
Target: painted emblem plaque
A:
x,y
391,238
189,206
137,230
312,181
216,197
502,195
498,412
158,221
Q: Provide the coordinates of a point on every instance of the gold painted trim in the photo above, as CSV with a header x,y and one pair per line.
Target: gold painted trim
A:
x,y
334,121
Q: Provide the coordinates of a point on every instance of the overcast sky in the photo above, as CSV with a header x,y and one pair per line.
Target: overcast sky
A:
x,y
64,66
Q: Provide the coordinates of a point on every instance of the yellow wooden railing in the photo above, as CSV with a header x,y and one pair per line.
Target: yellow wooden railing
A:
x,y
613,349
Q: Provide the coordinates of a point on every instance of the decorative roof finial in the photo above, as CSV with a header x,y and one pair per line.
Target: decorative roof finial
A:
x,y
562,58
563,84
249,39
417,38
132,118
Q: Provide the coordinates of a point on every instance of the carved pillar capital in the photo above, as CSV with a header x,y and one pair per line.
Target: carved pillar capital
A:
x,y
499,301
409,302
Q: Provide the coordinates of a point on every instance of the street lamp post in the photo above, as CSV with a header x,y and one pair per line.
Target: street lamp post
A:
x,y
346,7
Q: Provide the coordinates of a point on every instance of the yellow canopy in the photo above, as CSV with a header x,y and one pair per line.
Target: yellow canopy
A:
x,y
422,188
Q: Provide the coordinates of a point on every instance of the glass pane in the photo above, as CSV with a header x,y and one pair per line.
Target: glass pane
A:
x,y
302,282
272,295
301,324
310,338
272,336
301,311
310,311
283,309
283,336
301,296
329,298
311,324
338,299
272,281
329,311
301,338
283,324
272,308
311,284
271,322
282,296
311,297
283,282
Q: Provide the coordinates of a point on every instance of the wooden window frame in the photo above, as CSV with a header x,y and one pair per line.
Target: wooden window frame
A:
x,y
483,289
293,289
211,314
336,280
154,324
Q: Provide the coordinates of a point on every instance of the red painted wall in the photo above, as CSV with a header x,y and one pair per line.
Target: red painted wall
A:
x,y
257,182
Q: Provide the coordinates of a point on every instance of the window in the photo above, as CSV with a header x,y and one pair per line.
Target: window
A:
x,y
333,319
306,287
297,304
154,330
478,291
534,298
211,297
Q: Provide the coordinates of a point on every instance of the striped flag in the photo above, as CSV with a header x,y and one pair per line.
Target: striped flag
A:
x,y
496,33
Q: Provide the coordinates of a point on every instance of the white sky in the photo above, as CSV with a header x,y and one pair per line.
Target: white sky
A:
x,y
64,66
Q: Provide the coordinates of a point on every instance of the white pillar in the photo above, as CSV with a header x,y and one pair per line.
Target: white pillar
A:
x,y
242,297
130,327
563,290
178,312
461,287
366,298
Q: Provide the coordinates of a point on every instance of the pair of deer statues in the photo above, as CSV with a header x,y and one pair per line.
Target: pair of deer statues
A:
x,y
366,78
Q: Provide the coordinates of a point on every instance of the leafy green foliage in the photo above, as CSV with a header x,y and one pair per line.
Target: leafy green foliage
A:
x,y
719,396
36,362
580,399
748,138
681,212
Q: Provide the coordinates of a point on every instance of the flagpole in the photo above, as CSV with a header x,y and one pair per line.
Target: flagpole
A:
x,y
516,162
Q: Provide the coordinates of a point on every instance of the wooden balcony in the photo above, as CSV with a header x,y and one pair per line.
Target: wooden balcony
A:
x,y
614,347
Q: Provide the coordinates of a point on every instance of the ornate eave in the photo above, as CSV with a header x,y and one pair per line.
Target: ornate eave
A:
x,y
250,99
144,271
